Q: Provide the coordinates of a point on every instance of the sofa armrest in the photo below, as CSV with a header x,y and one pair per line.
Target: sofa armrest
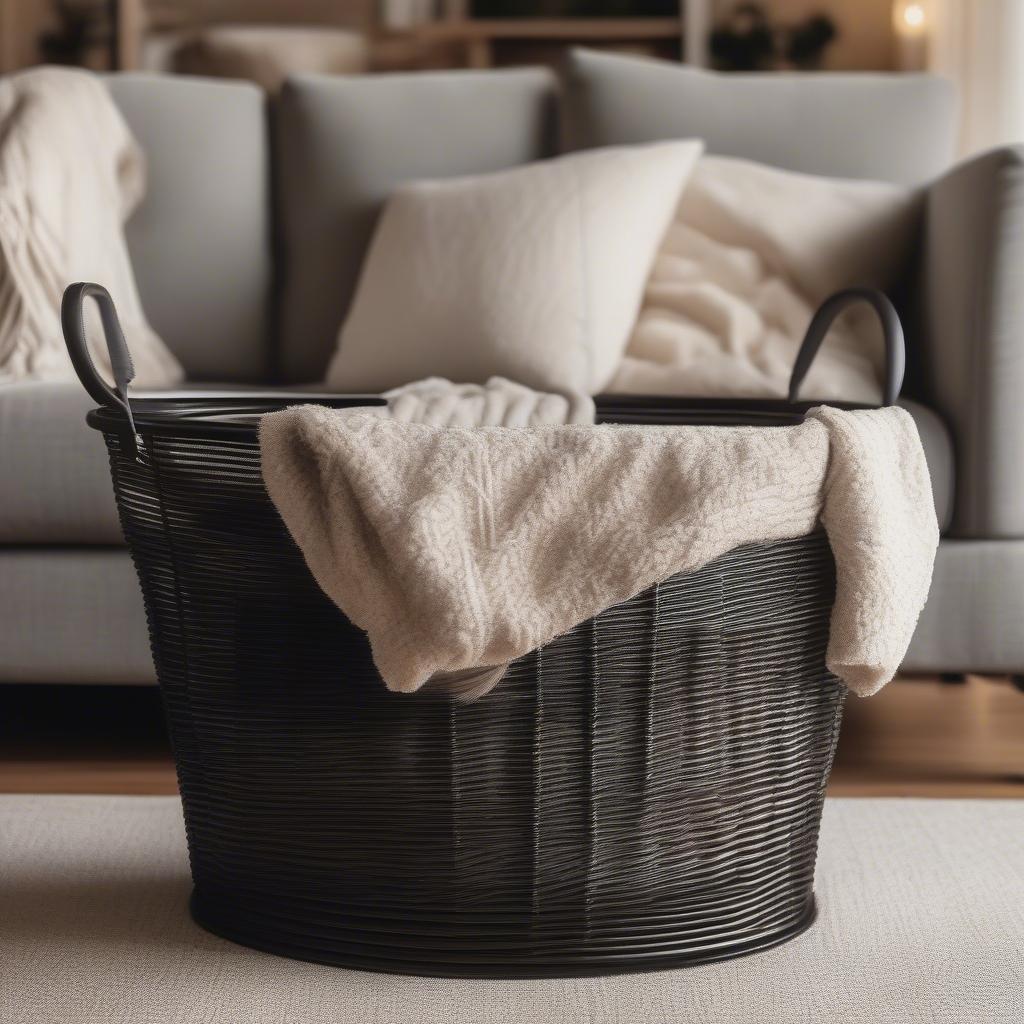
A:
x,y
973,319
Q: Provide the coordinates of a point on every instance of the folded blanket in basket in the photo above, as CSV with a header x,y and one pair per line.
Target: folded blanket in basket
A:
x,y
498,403
461,549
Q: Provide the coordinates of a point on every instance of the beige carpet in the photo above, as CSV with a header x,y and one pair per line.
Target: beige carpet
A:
x,y
922,921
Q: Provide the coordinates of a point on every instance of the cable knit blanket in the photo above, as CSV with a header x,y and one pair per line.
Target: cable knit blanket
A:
x,y
70,176
498,403
460,549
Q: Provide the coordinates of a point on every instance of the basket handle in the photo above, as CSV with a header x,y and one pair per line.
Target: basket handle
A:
x,y
821,322
72,319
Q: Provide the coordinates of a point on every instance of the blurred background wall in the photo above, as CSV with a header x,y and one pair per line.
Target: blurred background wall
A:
x,y
977,43
863,40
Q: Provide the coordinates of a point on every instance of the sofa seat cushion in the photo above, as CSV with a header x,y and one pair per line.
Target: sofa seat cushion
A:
x,y
54,476
55,482
72,615
54,479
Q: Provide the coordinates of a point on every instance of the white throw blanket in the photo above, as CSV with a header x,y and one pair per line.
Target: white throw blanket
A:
x,y
752,252
498,403
70,175
459,550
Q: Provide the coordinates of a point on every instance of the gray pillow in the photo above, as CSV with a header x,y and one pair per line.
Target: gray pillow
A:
x,y
884,127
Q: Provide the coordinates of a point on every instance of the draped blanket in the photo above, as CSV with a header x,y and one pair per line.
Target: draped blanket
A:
x,y
459,549
70,176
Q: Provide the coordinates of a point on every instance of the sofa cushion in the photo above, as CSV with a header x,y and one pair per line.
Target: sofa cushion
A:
x,y
200,239
534,273
897,128
938,449
72,616
55,481
343,144
54,477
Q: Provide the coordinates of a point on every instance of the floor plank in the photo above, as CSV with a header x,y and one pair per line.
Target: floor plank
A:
x,y
919,737
923,737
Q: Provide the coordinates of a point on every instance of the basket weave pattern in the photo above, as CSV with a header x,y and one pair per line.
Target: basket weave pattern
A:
x,y
645,790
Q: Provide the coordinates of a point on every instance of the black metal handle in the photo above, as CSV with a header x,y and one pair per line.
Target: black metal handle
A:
x,y
72,319
892,333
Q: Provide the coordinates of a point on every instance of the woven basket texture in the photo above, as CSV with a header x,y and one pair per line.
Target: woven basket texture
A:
x,y
644,791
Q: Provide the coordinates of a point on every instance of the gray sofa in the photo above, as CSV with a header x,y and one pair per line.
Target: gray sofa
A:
x,y
249,241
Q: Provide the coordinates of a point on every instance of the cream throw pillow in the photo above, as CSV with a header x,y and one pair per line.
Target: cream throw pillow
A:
x,y
753,250
535,274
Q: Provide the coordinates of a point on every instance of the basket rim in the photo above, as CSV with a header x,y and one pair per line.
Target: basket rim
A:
x,y
235,416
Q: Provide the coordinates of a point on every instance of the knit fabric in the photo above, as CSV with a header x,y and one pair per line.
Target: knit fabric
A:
x,y
460,548
70,176
498,403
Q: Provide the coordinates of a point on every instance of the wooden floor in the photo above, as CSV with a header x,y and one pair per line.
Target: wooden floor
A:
x,y
919,737
923,737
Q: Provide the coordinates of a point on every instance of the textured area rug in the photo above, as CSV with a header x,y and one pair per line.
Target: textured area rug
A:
x,y
922,920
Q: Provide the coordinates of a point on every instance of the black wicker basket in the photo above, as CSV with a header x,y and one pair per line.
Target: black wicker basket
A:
x,y
644,791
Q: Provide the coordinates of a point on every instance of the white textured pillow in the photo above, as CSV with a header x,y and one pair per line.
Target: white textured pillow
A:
x,y
535,274
752,251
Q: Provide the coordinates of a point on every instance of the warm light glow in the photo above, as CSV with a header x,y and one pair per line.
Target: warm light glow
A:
x,y
909,19
913,15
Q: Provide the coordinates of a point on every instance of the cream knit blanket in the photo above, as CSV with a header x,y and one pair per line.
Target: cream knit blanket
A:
x,y
459,548
498,403
70,176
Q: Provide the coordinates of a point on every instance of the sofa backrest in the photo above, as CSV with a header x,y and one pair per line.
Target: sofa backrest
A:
x,y
200,239
887,127
341,145
224,185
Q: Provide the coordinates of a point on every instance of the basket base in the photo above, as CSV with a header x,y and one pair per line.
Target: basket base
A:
x,y
462,964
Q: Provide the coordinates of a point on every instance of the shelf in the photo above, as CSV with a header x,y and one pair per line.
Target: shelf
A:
x,y
478,37
553,29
